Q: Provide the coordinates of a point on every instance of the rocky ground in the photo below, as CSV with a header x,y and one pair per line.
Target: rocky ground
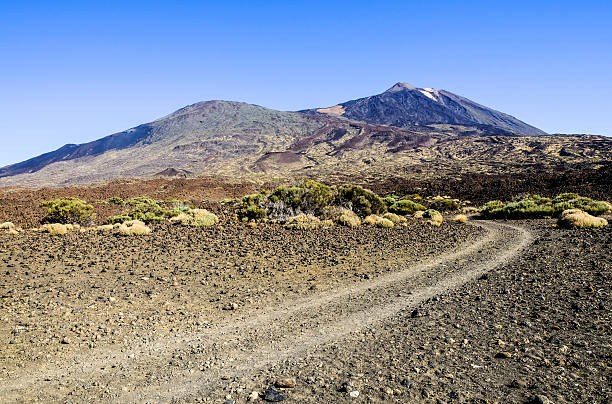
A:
x,y
462,313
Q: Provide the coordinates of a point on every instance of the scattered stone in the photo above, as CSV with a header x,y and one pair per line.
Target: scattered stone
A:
x,y
503,355
287,383
254,396
230,306
518,383
272,395
66,340
346,387
354,394
538,399
230,401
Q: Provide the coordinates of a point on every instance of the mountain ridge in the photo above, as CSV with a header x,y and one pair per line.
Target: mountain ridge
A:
x,y
405,105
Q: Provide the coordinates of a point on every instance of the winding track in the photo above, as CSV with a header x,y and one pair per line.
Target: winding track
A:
x,y
260,339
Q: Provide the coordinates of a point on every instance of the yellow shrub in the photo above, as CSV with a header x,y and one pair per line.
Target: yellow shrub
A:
x,y
385,223
579,218
460,218
372,220
134,228
348,218
196,218
396,219
469,209
327,223
418,214
303,222
105,227
54,229
7,226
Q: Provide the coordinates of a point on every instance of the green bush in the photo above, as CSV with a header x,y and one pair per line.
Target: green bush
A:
x,y
535,206
147,210
253,212
363,201
68,211
444,204
405,207
115,200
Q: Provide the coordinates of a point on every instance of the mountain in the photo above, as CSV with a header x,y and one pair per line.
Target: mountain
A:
x,y
404,105
239,140
215,136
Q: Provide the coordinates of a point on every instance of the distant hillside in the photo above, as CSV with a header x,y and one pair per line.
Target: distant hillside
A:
x,y
218,136
239,140
404,105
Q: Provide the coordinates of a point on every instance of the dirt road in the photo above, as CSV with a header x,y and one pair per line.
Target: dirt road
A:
x,y
196,366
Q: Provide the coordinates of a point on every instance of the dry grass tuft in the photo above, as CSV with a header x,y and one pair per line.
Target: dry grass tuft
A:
x,y
196,218
327,223
348,218
372,220
375,220
7,226
303,222
581,219
54,229
396,219
418,214
134,228
460,218
469,210
435,217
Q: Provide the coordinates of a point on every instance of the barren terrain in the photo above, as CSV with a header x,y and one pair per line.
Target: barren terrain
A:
x,y
409,314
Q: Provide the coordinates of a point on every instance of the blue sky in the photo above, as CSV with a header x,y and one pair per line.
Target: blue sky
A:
x,y
72,72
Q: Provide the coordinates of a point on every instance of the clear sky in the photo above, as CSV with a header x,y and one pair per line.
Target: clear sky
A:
x,y
72,72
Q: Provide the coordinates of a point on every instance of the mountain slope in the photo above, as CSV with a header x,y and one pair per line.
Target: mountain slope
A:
x,y
404,105
215,136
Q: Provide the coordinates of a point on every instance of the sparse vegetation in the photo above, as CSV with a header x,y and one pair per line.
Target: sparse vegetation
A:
x,y
149,210
444,203
303,222
579,218
535,206
68,211
54,229
196,218
460,218
360,200
134,228
396,219
348,218
406,207
435,217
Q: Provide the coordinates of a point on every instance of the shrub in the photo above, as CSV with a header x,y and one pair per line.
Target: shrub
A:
x,y
435,217
469,209
362,201
386,223
134,228
406,207
444,204
327,223
348,218
68,210
581,219
460,218
196,218
7,226
147,210
115,200
54,229
574,201
535,206
303,222
394,218
104,227
253,212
